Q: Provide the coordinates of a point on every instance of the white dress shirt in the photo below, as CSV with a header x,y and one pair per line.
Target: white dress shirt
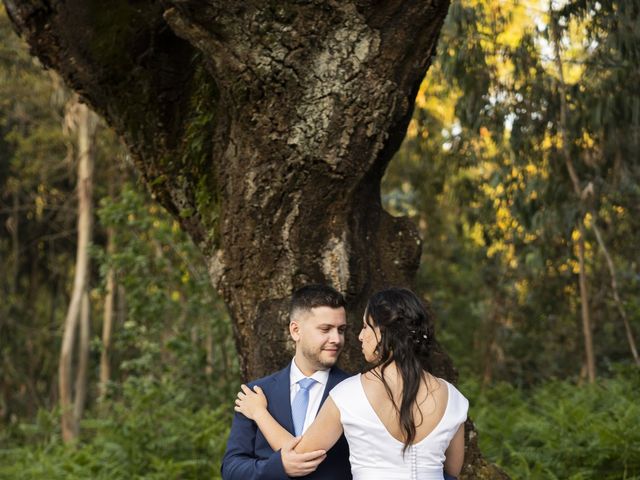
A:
x,y
315,392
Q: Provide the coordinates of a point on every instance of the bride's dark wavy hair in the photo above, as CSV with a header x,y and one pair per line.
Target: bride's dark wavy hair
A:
x,y
406,338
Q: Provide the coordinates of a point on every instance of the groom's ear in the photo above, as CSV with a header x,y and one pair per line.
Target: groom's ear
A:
x,y
294,330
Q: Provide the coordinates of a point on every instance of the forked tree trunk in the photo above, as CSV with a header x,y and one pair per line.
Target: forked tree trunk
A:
x,y
585,314
77,318
265,128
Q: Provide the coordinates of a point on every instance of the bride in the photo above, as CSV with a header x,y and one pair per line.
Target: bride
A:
x,y
400,421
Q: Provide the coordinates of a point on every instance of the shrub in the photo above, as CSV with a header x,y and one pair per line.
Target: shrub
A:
x,y
562,431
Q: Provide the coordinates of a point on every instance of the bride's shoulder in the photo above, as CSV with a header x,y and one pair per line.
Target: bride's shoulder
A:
x,y
457,395
457,401
346,386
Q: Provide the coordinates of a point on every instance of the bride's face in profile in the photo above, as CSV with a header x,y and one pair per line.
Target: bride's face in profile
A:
x,y
370,337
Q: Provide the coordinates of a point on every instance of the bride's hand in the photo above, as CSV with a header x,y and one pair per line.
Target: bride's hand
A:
x,y
251,402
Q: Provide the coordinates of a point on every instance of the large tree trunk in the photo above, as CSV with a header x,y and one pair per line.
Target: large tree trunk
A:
x,y
265,128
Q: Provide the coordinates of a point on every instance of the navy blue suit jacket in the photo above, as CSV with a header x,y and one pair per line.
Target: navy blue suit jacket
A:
x,y
249,456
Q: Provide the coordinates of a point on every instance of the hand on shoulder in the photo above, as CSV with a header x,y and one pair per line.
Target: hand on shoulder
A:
x,y
251,402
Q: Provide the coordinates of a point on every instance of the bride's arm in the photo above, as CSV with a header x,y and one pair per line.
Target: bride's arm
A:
x,y
325,430
253,405
322,434
454,455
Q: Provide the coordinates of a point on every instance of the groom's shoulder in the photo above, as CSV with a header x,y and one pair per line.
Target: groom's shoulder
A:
x,y
339,374
269,379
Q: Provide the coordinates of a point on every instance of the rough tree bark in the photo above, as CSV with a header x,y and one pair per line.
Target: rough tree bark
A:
x,y
265,128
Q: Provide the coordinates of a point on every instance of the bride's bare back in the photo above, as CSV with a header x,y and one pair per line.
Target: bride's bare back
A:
x,y
431,402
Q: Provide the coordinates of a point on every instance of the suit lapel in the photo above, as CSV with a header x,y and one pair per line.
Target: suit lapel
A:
x,y
332,381
280,399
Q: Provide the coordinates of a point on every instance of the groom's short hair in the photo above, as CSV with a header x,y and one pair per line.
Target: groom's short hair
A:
x,y
315,295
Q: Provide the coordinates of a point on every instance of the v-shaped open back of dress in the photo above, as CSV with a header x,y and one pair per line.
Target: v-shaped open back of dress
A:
x,y
376,455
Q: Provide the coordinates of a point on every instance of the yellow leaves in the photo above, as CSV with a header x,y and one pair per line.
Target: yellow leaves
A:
x,y
575,266
522,289
175,296
412,129
619,209
40,203
586,142
521,20
575,235
438,97
531,169
504,221
475,233
506,250
549,141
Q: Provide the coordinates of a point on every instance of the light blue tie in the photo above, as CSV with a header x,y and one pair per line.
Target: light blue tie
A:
x,y
300,404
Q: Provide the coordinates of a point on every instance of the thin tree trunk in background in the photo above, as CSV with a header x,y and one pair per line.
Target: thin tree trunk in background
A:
x,y
83,359
77,313
584,301
210,348
109,304
107,324
492,354
616,296
121,302
15,240
583,197
586,316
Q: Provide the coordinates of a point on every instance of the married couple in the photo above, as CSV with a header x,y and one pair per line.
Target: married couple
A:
x,y
312,420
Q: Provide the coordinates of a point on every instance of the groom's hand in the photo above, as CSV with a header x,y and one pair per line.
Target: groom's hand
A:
x,y
300,464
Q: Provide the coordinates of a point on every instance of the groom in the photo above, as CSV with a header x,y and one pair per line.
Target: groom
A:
x,y
317,321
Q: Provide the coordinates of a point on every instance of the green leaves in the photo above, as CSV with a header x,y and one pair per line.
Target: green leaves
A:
x,y
560,430
155,431
482,173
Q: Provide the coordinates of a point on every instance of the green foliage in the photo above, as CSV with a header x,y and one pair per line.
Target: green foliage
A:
x,y
482,172
155,431
559,430
176,327
35,186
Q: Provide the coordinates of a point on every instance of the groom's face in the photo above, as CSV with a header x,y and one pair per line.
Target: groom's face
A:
x,y
319,337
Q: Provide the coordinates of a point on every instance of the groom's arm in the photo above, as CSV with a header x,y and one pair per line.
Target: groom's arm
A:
x,y
240,461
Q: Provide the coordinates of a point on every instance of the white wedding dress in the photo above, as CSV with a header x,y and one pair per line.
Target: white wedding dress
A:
x,y
376,455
